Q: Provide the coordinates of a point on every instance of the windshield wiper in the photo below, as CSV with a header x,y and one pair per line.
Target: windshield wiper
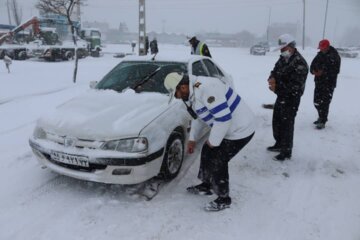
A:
x,y
146,78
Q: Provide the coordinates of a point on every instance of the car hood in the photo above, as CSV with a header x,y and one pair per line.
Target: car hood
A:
x,y
105,114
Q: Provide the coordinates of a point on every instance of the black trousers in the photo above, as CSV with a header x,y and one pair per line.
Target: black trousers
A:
x,y
323,94
283,122
214,164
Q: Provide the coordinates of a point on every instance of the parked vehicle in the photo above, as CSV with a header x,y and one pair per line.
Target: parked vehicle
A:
x,y
265,45
93,38
13,48
47,43
15,51
347,52
65,51
257,50
125,130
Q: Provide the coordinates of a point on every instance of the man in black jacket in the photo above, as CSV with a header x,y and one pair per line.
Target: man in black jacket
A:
x,y
154,46
287,81
325,67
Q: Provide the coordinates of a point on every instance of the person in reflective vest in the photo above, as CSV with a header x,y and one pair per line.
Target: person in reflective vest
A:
x,y
220,108
199,48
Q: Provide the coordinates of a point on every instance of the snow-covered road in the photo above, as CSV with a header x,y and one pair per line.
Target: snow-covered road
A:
x,y
313,196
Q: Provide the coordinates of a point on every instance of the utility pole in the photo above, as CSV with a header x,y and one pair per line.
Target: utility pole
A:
x,y
303,35
142,29
78,12
268,27
8,10
326,11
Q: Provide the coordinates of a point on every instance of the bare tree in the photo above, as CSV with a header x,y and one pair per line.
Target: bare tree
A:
x,y
63,8
16,11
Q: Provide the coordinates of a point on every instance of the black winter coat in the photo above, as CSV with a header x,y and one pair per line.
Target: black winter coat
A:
x,y
154,47
290,76
329,63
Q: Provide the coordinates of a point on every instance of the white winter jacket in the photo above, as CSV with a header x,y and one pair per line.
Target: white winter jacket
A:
x,y
7,60
221,108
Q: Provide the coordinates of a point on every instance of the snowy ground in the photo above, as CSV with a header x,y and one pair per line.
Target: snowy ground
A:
x,y
316,195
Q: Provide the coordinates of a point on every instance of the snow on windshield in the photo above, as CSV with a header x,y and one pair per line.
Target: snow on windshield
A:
x,y
140,76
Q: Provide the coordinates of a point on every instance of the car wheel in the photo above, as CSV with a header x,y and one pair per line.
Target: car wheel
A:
x,y
95,53
68,55
173,157
22,55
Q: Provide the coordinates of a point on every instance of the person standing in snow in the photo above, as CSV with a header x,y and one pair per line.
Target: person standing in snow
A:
x,y
7,61
217,105
154,46
325,67
146,45
199,48
287,81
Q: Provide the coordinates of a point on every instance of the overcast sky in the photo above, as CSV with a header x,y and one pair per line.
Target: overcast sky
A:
x,y
226,16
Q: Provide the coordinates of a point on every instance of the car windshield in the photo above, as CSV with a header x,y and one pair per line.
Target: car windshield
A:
x,y
140,76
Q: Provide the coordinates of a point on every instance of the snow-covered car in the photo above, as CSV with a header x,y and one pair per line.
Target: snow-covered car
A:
x,y
257,50
125,130
347,52
265,45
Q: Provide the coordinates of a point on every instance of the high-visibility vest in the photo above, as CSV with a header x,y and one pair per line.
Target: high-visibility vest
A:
x,y
199,49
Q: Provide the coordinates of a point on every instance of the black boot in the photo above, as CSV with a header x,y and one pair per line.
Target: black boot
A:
x,y
275,148
218,204
320,125
317,121
282,156
201,189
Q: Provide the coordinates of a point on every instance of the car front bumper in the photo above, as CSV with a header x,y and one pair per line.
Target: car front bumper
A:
x,y
100,166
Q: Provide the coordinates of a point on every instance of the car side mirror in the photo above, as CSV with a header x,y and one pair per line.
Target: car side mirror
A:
x,y
92,84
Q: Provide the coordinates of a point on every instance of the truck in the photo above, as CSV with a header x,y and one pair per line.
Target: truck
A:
x,y
12,47
93,38
44,43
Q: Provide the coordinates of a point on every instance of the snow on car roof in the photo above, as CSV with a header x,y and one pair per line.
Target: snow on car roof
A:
x,y
164,58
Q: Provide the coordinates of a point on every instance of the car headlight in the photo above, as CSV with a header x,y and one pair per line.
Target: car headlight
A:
x,y
127,145
39,133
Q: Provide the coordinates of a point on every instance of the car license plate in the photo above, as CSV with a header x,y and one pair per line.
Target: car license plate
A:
x,y
76,160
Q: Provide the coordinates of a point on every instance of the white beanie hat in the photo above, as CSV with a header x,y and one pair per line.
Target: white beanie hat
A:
x,y
172,80
285,40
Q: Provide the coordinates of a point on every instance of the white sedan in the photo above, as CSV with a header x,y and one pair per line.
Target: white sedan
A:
x,y
124,130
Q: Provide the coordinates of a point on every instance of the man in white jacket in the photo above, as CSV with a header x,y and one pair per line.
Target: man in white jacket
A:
x,y
232,124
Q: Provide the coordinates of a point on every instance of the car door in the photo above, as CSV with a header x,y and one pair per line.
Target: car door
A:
x,y
215,71
198,69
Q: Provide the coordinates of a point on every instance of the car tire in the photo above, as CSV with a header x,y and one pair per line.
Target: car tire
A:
x,y
173,157
68,55
95,53
22,55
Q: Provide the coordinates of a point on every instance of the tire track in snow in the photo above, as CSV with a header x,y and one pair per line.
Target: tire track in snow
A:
x,y
46,188
189,161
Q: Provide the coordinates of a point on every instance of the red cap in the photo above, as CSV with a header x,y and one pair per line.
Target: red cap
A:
x,y
323,44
